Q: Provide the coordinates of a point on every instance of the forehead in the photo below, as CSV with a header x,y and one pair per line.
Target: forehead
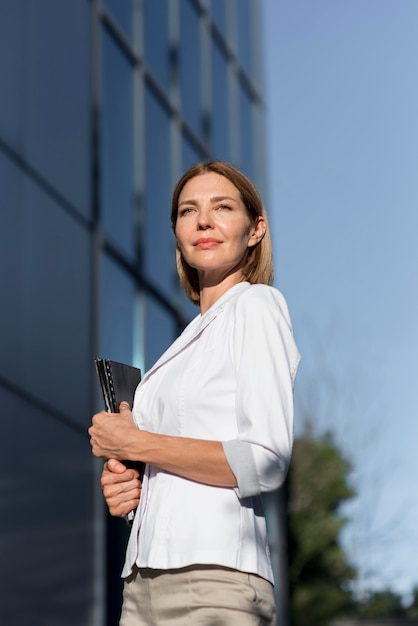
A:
x,y
209,184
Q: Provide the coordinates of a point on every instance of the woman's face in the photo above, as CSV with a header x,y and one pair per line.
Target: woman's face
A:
x,y
213,229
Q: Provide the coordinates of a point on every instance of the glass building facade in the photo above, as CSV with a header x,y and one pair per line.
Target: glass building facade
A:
x,y
104,104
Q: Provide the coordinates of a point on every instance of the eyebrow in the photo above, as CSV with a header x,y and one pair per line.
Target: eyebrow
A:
x,y
213,199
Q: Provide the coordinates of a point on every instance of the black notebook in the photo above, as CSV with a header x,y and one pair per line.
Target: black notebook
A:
x,y
118,382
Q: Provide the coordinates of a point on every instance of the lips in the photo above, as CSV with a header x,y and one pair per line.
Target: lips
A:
x,y
205,243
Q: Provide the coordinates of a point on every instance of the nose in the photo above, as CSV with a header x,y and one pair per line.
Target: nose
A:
x,y
204,219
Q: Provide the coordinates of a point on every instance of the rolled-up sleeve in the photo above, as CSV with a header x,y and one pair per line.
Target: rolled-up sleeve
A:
x,y
265,358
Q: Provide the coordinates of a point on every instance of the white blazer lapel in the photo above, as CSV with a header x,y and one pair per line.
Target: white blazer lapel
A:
x,y
196,327
188,336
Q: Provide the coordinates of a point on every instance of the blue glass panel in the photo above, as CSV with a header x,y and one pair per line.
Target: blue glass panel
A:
x,y
190,64
139,330
190,154
159,243
244,35
46,513
218,12
44,334
161,330
117,169
44,103
189,309
117,312
121,11
246,132
220,101
156,40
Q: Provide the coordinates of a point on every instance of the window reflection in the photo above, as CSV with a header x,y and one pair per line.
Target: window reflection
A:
x,y
161,331
117,312
121,11
139,330
220,103
189,309
244,34
218,9
246,132
44,334
159,244
46,512
117,170
44,103
156,40
190,154
190,64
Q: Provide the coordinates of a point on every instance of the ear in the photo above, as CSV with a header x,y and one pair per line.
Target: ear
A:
x,y
257,231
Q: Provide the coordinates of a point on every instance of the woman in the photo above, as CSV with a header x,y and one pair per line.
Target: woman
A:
x,y
212,420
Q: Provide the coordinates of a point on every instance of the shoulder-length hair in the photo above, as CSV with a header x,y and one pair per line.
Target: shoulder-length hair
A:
x,y
258,267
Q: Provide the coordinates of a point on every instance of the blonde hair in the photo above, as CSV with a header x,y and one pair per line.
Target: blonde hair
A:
x,y
258,267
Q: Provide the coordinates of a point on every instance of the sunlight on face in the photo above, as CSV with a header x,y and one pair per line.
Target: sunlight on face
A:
x,y
213,229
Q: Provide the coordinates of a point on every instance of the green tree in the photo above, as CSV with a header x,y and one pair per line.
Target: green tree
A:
x,y
319,574
387,604
380,604
412,608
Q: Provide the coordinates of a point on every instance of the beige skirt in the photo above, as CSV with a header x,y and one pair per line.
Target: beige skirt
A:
x,y
199,595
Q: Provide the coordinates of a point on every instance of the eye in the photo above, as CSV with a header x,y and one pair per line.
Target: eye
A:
x,y
185,211
224,207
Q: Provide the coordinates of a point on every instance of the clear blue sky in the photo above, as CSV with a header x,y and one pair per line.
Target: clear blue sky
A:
x,y
342,115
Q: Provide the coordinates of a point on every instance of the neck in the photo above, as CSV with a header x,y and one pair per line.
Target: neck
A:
x,y
210,293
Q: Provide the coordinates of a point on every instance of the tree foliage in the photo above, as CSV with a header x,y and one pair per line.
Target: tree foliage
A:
x,y
387,604
319,574
381,604
412,608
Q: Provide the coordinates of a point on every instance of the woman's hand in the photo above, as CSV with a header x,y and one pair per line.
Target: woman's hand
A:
x,y
112,433
121,487
115,436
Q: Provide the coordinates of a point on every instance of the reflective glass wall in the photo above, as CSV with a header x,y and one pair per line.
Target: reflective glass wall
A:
x,y
104,104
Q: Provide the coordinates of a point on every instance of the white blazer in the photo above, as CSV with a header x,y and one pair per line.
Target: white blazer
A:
x,y
228,377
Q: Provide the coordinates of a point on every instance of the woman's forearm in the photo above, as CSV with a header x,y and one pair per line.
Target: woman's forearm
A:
x,y
115,436
196,459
